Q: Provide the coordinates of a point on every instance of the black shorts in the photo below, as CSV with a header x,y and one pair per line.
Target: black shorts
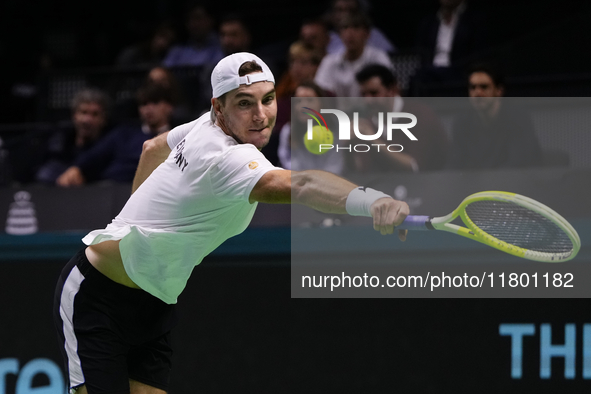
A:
x,y
111,333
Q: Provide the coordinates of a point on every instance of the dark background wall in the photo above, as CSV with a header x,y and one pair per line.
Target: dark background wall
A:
x,y
541,41
102,29
240,332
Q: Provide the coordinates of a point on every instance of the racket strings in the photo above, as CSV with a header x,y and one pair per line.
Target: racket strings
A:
x,y
518,226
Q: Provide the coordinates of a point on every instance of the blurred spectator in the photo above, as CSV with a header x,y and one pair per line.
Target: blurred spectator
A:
x,y
493,133
151,52
337,70
340,10
202,46
450,39
452,35
117,155
4,165
292,152
303,63
315,33
380,88
234,35
183,110
90,109
163,76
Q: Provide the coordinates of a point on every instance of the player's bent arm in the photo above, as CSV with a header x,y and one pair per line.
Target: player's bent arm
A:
x,y
329,193
154,152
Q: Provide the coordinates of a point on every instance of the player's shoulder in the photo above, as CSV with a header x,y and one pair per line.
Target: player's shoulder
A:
x,y
194,124
234,151
208,142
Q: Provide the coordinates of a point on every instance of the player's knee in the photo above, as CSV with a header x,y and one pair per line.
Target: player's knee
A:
x,y
79,390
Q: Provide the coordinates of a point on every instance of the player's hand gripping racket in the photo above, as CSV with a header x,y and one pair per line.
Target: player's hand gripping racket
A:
x,y
510,222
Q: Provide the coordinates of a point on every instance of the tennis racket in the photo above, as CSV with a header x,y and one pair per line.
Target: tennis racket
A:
x,y
510,222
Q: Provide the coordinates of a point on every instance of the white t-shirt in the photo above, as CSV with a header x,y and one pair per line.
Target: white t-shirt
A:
x,y
189,205
445,37
337,74
377,39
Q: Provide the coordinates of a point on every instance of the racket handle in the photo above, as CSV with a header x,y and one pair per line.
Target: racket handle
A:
x,y
416,223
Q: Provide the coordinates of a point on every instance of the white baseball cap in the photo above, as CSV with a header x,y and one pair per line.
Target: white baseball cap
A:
x,y
225,78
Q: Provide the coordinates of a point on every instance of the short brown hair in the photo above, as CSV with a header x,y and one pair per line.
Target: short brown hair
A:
x,y
245,69
249,67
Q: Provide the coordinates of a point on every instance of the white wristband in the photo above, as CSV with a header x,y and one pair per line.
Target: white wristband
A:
x,y
360,199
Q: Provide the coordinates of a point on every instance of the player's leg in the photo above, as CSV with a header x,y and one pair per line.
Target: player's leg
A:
x,y
141,388
116,333
134,386
149,365
79,390
95,357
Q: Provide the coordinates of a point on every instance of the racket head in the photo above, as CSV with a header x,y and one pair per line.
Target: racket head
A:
x,y
518,225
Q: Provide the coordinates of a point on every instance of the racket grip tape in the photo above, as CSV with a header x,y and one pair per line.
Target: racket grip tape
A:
x,y
416,223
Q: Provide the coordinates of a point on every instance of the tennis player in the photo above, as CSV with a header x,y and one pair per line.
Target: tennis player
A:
x,y
195,187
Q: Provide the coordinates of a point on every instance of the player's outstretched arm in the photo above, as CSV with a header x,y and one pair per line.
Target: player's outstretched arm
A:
x,y
330,193
154,152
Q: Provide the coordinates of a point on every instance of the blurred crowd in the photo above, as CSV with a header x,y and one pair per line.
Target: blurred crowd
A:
x,y
339,53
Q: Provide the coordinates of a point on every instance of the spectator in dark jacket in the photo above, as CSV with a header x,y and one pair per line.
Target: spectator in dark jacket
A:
x,y
90,108
116,157
493,133
449,40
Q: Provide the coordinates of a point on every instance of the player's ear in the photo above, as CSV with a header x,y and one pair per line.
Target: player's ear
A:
x,y
217,106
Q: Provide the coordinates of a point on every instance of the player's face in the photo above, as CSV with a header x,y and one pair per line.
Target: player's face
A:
x,y
89,119
249,113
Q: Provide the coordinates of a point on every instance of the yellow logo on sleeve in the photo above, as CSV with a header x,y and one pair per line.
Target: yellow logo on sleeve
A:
x,y
252,165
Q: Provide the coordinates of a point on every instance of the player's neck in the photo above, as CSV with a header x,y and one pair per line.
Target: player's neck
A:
x,y
220,123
